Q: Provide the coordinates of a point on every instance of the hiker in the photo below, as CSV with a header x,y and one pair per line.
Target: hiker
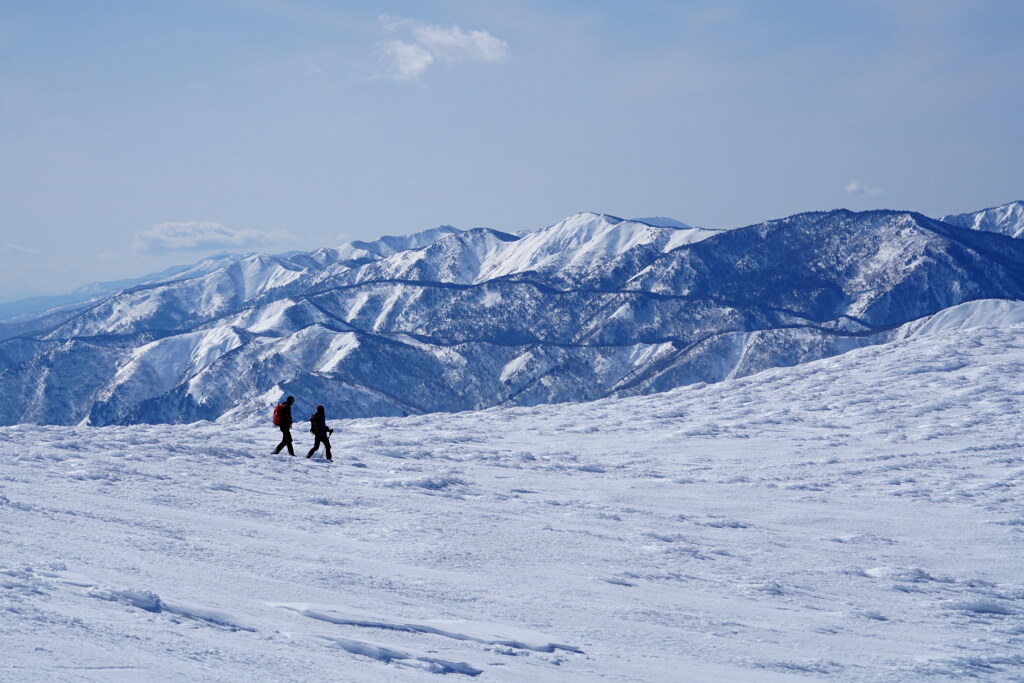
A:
x,y
283,419
318,425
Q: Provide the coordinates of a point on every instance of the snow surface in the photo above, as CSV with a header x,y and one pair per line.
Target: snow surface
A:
x,y
854,518
1007,219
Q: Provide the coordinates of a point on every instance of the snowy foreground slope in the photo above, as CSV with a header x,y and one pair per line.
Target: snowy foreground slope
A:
x,y
854,518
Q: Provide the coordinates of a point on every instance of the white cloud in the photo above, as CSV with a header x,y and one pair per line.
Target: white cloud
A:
x,y
455,45
24,251
427,44
407,61
858,188
195,235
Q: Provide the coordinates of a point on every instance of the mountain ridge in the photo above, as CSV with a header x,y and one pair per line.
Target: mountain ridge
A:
x,y
591,306
1006,219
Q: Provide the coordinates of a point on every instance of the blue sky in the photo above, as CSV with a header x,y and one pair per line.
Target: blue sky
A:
x,y
135,135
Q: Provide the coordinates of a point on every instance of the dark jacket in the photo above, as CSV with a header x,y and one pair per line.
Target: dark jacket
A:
x,y
318,424
284,418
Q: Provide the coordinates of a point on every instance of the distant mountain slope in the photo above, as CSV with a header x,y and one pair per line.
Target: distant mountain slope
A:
x,y
250,271
663,222
23,310
877,268
589,307
1007,219
159,302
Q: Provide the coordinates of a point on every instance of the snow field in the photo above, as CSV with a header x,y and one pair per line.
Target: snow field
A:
x,y
856,518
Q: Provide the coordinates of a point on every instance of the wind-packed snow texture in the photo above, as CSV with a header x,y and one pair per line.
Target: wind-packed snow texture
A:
x,y
856,518
448,320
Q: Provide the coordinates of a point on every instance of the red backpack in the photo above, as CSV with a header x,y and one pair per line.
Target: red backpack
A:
x,y
277,414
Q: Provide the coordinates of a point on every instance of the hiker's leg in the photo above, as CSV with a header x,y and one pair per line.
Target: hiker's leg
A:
x,y
327,446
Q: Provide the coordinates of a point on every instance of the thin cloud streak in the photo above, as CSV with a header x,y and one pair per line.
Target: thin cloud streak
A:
x,y
198,235
855,187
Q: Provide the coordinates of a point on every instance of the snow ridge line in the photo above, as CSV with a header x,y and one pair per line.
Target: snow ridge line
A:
x,y
479,632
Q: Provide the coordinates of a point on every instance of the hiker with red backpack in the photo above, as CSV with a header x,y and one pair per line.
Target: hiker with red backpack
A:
x,y
318,425
283,420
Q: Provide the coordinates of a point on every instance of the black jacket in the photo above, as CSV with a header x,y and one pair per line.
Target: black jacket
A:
x,y
318,424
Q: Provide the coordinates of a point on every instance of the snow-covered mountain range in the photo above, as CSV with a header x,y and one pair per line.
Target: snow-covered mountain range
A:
x,y
449,320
